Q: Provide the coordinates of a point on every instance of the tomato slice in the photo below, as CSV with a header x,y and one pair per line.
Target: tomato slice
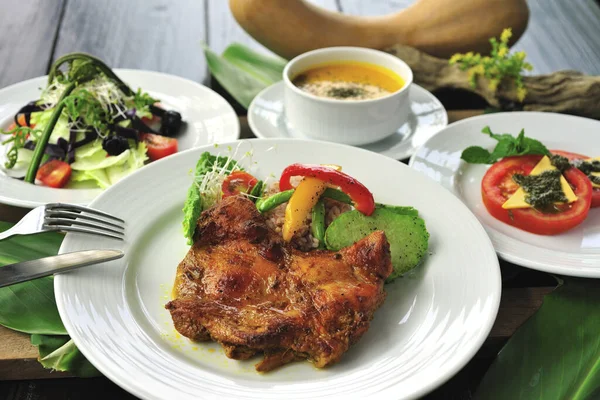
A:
x,y
576,156
159,146
54,173
497,186
238,182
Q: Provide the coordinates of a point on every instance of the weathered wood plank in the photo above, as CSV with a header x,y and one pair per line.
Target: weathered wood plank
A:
x,y
223,29
561,34
158,35
28,32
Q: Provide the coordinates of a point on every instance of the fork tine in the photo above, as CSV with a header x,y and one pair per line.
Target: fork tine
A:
x,y
50,221
82,230
71,207
69,214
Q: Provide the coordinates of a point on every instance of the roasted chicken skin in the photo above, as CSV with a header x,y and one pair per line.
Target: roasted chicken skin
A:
x,y
243,287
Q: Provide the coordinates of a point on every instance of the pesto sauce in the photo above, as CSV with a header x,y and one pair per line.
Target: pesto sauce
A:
x,y
587,167
560,162
345,92
543,190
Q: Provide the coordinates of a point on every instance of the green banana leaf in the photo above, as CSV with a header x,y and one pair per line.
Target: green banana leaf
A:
x,y
264,67
555,355
60,353
243,72
30,306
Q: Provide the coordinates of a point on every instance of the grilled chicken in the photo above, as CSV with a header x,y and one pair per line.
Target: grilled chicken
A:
x,y
243,287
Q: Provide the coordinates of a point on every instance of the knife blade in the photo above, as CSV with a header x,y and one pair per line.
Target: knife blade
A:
x,y
28,270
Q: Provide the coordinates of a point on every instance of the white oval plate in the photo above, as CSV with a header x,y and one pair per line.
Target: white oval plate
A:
x,y
574,253
266,117
430,325
210,119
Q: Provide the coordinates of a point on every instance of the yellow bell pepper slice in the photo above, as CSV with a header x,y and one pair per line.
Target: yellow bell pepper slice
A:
x,y
301,204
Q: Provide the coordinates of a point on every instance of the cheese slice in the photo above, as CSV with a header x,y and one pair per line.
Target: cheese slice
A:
x,y
517,200
595,173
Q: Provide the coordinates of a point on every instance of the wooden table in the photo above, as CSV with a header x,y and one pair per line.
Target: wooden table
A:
x,y
166,35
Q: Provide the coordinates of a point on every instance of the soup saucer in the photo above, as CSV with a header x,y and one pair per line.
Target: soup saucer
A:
x,y
427,116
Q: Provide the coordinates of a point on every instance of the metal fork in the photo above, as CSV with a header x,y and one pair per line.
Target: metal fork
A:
x,y
68,218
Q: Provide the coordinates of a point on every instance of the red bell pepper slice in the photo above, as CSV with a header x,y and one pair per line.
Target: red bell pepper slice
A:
x,y
362,198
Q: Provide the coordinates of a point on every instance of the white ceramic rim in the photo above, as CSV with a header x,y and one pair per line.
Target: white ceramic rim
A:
x,y
549,263
392,60
10,200
401,155
128,384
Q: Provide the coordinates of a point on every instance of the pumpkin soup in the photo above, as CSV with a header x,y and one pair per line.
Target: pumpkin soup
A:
x,y
349,80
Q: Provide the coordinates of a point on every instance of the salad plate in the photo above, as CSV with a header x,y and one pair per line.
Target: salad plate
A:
x,y
427,116
575,252
208,119
432,322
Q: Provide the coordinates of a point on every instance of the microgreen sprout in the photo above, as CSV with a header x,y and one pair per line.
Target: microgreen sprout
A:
x,y
18,136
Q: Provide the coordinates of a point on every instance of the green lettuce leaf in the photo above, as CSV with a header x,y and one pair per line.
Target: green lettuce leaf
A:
x,y
60,353
30,306
195,202
137,158
98,160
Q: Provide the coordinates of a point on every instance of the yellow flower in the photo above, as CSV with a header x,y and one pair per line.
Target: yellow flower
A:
x,y
455,58
520,55
506,35
521,93
478,69
502,51
493,84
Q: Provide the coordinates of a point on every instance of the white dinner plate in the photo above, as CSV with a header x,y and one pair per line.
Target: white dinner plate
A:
x,y
427,116
432,322
575,252
208,116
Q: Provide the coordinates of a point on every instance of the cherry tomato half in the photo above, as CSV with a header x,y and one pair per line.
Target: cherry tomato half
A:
x,y
238,182
54,173
497,186
159,146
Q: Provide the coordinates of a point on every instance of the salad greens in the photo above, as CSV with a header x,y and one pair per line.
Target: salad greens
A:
x,y
507,146
84,115
205,190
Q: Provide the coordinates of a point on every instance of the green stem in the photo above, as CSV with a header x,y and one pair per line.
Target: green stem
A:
x,y
45,136
99,63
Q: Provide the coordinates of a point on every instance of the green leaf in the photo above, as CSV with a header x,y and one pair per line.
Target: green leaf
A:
x,y
243,72
507,146
476,155
555,355
266,68
61,354
496,136
30,306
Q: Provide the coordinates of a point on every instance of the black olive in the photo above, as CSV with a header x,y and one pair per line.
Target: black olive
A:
x,y
115,145
170,123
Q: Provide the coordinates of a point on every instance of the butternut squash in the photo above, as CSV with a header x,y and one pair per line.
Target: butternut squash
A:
x,y
437,27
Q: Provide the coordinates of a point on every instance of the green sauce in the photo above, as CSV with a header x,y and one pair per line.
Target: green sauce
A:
x,y
543,190
345,92
587,167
